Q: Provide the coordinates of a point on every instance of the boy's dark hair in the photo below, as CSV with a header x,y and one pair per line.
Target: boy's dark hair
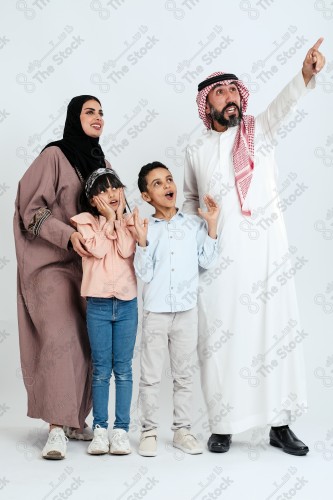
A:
x,y
101,184
142,180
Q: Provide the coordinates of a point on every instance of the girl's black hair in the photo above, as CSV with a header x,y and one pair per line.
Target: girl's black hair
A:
x,y
102,183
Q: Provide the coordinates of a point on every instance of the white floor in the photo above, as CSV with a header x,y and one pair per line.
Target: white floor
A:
x,y
251,470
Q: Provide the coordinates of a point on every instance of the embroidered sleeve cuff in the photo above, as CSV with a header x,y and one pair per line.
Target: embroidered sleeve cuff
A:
x,y
36,222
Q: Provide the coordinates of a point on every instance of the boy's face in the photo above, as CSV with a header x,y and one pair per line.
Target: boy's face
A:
x,y
161,189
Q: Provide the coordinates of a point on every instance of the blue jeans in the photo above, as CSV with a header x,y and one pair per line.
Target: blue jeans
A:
x,y
112,325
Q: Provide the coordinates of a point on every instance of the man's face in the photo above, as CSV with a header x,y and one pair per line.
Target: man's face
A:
x,y
224,106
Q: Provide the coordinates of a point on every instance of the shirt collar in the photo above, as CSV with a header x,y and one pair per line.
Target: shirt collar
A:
x,y
178,214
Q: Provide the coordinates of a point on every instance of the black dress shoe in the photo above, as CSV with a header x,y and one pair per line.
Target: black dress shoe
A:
x,y
219,443
283,437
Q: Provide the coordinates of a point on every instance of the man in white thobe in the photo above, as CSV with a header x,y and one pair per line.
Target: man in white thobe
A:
x,y
250,337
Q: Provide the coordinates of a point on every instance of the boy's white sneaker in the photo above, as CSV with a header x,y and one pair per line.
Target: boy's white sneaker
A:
x,y
119,442
55,448
185,441
100,443
148,443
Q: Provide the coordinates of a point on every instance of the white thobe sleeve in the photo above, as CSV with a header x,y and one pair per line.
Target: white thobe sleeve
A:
x,y
191,194
283,106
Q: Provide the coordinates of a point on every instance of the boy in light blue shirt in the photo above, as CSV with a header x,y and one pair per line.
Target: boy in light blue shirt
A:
x,y
171,246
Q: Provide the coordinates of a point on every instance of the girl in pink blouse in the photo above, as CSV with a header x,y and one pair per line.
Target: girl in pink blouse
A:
x,y
109,285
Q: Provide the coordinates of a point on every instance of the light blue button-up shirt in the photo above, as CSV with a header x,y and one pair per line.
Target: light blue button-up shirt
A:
x,y
168,265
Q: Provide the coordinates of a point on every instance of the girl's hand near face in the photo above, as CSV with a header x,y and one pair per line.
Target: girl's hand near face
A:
x,y
141,228
104,209
122,204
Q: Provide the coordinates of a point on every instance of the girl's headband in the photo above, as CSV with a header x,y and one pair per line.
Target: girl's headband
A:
x,y
97,173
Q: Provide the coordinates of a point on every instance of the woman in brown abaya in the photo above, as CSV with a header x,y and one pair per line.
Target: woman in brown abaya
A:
x,y
54,346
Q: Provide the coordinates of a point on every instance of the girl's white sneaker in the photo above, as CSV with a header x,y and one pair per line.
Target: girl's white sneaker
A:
x,y
100,443
119,442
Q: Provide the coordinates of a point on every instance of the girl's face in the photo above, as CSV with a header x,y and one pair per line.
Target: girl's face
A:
x,y
91,118
111,196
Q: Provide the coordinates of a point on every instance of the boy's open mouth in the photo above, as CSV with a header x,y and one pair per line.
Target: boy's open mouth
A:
x,y
169,195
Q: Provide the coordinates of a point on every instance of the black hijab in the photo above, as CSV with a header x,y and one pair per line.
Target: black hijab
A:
x,y
83,152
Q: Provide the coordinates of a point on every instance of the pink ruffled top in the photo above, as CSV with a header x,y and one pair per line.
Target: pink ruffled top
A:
x,y
109,272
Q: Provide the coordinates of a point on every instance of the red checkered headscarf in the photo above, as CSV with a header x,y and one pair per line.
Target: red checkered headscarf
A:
x,y
243,149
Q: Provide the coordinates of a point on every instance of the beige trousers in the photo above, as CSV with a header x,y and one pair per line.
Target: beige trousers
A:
x,y
177,332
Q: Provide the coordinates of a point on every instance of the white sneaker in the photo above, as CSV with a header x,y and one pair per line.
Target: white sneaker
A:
x,y
185,441
55,448
148,443
119,442
100,443
86,435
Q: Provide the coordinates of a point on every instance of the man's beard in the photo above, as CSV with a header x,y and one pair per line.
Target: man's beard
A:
x,y
232,121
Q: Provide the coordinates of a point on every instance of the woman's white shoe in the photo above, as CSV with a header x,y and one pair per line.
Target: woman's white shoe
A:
x,y
56,444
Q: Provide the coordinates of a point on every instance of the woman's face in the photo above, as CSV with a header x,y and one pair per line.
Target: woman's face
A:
x,y
91,118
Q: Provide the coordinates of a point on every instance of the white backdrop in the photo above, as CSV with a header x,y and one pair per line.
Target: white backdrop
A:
x,y
144,59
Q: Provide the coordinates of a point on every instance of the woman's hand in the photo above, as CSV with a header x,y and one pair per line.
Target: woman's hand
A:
x,y
140,228
77,241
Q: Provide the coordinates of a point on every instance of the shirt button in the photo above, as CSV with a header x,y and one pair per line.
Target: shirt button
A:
x,y
172,288
171,253
172,269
